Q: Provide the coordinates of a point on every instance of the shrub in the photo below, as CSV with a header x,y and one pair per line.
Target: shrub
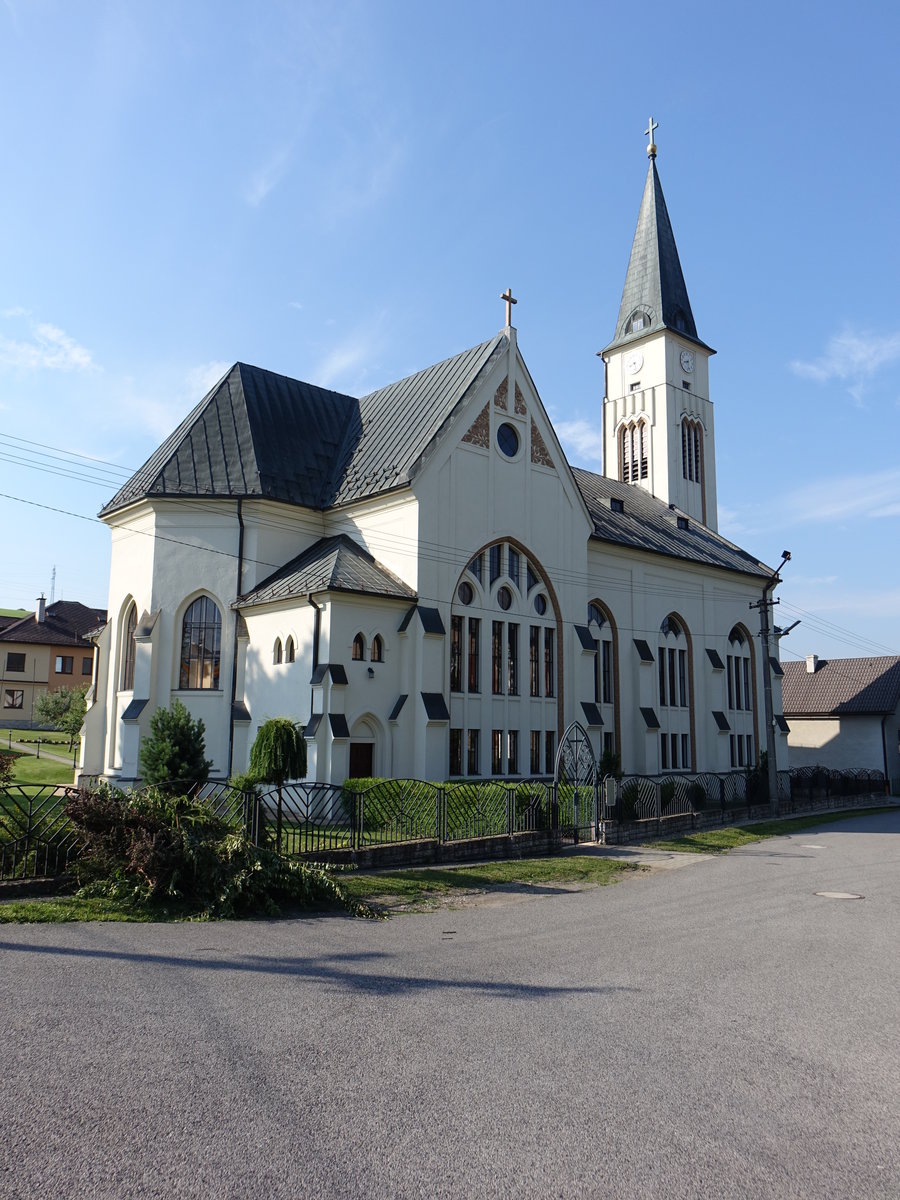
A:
x,y
667,796
628,801
156,849
7,763
610,764
697,796
173,756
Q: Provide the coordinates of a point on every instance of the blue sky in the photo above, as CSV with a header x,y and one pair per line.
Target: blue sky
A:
x,y
340,191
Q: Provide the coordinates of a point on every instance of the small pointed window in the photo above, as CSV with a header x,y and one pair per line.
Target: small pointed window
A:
x,y
128,650
276,653
359,648
377,648
289,650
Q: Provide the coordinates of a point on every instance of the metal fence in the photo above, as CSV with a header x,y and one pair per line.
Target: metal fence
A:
x,y
38,839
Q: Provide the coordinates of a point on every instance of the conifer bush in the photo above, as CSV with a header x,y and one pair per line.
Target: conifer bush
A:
x,y
174,755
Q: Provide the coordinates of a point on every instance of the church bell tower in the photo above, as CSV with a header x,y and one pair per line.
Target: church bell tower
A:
x,y
657,416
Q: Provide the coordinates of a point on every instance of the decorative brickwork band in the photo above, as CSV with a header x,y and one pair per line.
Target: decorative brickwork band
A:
x,y
520,402
500,396
539,452
480,433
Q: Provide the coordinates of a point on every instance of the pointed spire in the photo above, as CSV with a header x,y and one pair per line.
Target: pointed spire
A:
x,y
654,285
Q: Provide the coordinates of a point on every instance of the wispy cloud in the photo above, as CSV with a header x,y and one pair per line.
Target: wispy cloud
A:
x,y
874,495
49,348
581,440
351,363
159,416
850,354
267,177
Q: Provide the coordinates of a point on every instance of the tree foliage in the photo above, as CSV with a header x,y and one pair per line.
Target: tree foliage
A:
x,y
7,763
63,709
175,751
278,752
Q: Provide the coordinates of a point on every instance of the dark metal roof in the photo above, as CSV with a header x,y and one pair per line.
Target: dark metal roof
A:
x,y
134,710
337,671
842,686
258,434
430,618
654,282
66,623
716,659
398,707
312,725
645,654
782,723
339,726
435,706
776,666
650,718
333,564
649,524
240,711
584,636
721,721
591,714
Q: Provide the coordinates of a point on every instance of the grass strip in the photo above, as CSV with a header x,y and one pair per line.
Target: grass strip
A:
x,y
59,909
731,837
421,887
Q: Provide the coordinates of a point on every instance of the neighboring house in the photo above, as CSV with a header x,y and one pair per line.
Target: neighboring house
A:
x,y
45,650
844,712
423,581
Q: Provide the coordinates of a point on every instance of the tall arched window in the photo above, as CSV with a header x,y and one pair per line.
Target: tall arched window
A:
x,y
359,648
276,653
377,648
675,699
603,631
201,645
692,450
289,651
634,462
128,649
741,690
504,661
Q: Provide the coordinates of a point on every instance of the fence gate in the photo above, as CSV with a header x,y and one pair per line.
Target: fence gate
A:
x,y
576,782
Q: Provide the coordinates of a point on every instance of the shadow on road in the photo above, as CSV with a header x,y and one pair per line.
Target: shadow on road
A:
x,y
334,968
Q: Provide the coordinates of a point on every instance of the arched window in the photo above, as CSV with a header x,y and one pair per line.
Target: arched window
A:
x,y
377,648
634,462
740,688
359,648
289,650
603,631
201,645
503,642
637,321
692,450
128,649
276,653
675,699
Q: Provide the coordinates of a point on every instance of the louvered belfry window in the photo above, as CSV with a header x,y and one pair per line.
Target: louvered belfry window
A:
x,y
692,451
634,460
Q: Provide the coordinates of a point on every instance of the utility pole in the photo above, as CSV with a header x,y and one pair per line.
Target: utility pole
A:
x,y
764,605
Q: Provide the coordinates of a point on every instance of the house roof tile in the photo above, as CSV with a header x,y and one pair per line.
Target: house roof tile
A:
x,y
842,686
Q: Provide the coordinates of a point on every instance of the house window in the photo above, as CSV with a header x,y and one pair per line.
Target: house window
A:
x,y
512,565
15,662
512,659
634,463
359,648
87,665
456,634
64,664
473,756
494,556
377,648
496,751
13,698
289,651
674,694
276,653
476,566
535,752
474,640
201,644
512,752
456,752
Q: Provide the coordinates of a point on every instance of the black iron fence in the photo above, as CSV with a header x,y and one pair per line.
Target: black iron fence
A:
x,y
38,839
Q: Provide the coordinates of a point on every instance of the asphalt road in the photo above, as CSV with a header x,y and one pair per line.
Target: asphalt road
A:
x,y
716,1031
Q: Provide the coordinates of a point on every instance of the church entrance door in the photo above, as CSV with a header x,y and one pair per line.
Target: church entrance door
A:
x,y
362,757
576,786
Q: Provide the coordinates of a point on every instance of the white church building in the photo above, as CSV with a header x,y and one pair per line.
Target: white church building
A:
x,y
421,579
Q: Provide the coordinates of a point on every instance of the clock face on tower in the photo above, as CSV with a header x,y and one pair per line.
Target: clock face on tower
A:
x,y
687,360
633,362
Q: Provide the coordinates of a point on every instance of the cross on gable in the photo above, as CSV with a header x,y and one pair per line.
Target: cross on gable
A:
x,y
510,301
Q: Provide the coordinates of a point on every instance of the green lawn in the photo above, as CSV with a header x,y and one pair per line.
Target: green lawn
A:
x,y
417,887
730,837
29,769
71,908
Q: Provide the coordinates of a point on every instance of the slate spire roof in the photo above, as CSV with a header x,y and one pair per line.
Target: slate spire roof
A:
x,y
258,434
654,283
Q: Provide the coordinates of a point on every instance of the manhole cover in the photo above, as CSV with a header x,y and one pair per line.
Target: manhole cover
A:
x,y
840,895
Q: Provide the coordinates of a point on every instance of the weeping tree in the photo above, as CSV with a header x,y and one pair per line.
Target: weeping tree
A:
x,y
278,754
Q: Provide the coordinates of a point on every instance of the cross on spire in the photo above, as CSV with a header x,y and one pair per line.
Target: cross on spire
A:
x,y
510,301
651,127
